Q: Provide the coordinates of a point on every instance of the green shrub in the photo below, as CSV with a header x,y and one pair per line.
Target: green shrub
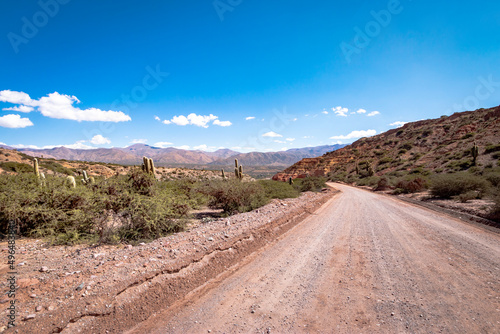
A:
x,y
278,189
311,183
411,185
449,185
16,167
234,196
492,148
465,197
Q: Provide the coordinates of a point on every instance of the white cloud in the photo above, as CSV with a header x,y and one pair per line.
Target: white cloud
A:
x,y
337,142
361,111
294,119
398,124
223,123
373,113
182,147
60,106
271,134
283,149
324,112
280,141
307,137
290,139
157,119
14,121
249,118
202,147
100,140
197,120
20,109
236,148
139,141
162,144
356,134
77,145
340,111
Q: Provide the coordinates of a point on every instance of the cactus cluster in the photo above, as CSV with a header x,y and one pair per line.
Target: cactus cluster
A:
x,y
238,170
148,166
475,153
86,179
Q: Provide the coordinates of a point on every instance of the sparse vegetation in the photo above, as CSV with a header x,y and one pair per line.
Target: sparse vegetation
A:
x,y
450,185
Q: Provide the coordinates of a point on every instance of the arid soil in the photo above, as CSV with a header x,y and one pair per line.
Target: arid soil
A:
x,y
363,263
109,289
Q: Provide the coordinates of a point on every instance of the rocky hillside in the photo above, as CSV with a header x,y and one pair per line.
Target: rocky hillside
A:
x,y
438,145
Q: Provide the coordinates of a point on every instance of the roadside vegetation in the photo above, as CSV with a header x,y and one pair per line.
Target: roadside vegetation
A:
x,y
124,208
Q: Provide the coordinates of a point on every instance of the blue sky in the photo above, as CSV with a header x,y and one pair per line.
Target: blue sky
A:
x,y
246,75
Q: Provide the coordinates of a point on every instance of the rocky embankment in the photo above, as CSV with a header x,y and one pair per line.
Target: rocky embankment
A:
x,y
107,289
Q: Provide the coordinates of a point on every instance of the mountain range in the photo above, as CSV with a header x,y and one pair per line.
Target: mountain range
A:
x,y
132,155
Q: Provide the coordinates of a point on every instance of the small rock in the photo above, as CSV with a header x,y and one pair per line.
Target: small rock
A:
x,y
21,264
142,244
51,308
38,308
78,288
44,269
392,314
30,316
3,301
210,239
33,295
129,246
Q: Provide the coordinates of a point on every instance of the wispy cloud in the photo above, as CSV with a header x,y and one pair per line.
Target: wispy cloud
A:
x,y
373,113
356,134
79,145
249,118
280,141
182,147
100,140
290,139
361,111
162,144
14,121
139,141
340,111
158,118
324,112
398,124
25,109
271,134
60,106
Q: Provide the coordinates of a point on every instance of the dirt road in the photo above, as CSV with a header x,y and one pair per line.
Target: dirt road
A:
x,y
363,263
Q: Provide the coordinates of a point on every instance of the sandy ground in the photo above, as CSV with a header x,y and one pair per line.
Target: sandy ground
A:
x,y
363,263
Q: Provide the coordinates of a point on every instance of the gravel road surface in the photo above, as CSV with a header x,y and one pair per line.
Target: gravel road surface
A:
x,y
363,263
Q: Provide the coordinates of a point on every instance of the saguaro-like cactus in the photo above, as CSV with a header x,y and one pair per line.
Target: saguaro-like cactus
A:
x,y
35,168
475,153
148,165
290,180
238,170
223,174
151,166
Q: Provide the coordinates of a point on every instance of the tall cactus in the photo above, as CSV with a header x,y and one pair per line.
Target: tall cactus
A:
x,y
151,166
475,153
145,164
36,171
290,180
369,169
238,170
223,174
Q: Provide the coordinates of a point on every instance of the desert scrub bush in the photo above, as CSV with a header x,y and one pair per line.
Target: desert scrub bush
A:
x,y
17,167
449,185
492,148
278,189
66,215
310,183
234,196
411,185
56,167
370,181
